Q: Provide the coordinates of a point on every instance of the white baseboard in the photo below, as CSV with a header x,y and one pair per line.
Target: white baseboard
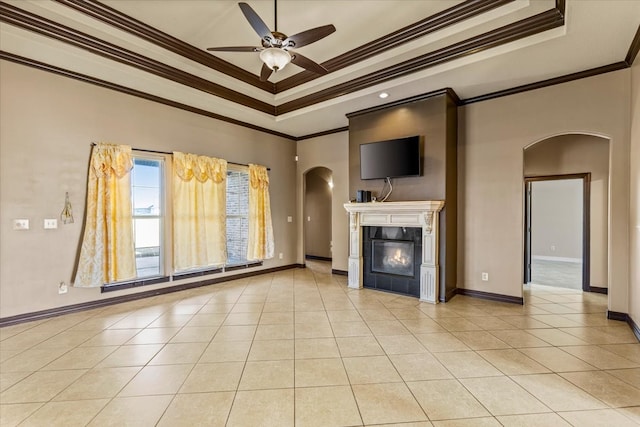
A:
x,y
557,259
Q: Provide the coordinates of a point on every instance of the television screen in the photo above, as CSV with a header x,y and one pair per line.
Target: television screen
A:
x,y
390,159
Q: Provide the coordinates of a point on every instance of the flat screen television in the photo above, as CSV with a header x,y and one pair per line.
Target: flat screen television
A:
x,y
390,159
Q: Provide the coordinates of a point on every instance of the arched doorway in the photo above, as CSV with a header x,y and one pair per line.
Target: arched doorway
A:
x,y
318,194
566,212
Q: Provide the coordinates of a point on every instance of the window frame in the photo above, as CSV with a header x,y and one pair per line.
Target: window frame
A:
x,y
164,240
166,237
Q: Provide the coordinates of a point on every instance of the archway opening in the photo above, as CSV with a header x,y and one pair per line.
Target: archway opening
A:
x,y
318,194
566,221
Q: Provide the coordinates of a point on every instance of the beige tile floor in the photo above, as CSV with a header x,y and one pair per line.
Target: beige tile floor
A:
x,y
300,348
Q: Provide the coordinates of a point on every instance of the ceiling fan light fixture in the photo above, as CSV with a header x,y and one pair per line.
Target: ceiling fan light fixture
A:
x,y
275,58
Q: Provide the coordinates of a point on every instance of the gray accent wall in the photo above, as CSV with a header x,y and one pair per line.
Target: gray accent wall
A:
x,y
435,120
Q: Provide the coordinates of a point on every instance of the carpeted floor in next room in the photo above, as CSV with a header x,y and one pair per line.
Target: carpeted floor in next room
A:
x,y
299,348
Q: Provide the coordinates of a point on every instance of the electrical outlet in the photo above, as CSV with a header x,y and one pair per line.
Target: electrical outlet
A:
x,y
308,219
553,248
50,223
20,224
280,255
289,219
485,277
62,288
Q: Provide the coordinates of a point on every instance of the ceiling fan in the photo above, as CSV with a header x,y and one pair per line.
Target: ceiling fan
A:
x,y
276,47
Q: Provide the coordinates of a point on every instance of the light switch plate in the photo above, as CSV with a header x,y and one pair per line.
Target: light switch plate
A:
x,y
289,219
20,224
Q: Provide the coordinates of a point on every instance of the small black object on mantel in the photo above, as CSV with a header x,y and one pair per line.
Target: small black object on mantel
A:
x,y
363,196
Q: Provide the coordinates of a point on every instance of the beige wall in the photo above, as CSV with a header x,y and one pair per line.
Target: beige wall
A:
x,y
317,212
332,152
492,136
48,123
634,223
575,153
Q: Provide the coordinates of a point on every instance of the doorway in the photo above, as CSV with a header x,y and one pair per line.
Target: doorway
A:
x,y
318,195
557,231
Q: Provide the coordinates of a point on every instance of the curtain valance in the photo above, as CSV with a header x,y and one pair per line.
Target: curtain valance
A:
x,y
111,159
202,168
258,176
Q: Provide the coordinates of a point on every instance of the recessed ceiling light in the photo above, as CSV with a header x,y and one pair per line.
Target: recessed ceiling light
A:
x,y
383,95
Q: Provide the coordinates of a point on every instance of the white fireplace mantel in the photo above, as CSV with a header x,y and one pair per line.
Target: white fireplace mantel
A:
x,y
423,214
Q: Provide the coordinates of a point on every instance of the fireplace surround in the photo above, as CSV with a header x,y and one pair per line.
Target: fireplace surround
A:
x,y
392,258
420,214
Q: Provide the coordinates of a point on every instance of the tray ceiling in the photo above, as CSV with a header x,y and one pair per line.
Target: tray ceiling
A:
x,y
157,49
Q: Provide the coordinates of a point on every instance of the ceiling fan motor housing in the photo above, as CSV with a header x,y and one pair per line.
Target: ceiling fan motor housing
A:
x,y
276,41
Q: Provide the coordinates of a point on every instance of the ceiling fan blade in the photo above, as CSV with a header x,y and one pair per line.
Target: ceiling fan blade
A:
x,y
265,73
307,64
307,37
234,49
256,22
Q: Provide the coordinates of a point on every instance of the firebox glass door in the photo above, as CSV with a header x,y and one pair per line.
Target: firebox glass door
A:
x,y
392,257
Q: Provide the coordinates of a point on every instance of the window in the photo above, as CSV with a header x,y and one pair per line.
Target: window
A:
x,y
152,244
147,186
237,216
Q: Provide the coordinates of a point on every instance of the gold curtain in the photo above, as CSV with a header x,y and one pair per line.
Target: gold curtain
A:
x,y
261,245
199,211
107,253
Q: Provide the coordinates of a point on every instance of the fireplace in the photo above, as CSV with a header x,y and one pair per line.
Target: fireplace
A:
x,y
391,257
391,221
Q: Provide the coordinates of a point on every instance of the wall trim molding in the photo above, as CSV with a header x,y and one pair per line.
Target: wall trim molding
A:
x,y
405,101
123,89
31,22
126,23
634,48
634,327
323,133
318,258
549,82
74,308
539,23
528,26
624,317
599,290
453,15
339,272
446,297
616,315
490,296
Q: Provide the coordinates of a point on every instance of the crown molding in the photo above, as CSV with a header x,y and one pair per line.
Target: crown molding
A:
x,y
453,15
28,21
633,48
549,82
435,22
123,89
117,19
526,27
544,21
